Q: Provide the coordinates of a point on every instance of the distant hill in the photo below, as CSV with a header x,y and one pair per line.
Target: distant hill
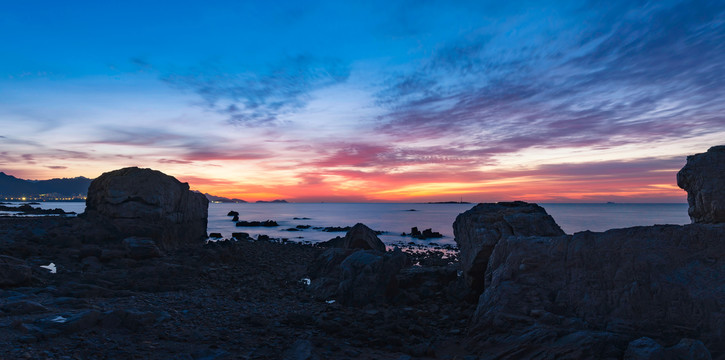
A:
x,y
10,186
222,199
271,202
77,188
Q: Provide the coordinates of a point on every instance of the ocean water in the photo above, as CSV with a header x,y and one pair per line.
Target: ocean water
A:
x,y
397,218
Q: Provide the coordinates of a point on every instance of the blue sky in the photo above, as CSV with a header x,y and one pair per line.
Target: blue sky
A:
x,y
368,101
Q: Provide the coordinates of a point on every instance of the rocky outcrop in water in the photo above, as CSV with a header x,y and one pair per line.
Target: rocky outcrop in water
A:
x,y
478,230
703,177
148,203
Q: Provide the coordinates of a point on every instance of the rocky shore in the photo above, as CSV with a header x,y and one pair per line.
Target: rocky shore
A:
x,y
135,278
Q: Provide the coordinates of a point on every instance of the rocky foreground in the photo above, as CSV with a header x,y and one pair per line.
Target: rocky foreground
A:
x,y
227,300
134,278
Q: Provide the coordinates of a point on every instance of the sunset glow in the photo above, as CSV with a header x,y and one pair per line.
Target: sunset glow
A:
x,y
337,102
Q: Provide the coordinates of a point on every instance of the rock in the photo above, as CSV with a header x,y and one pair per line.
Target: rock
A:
x,y
426,234
357,277
139,248
361,237
148,203
644,349
703,177
215,235
689,349
664,282
235,218
266,223
300,350
23,307
232,213
241,235
90,250
478,230
131,319
13,272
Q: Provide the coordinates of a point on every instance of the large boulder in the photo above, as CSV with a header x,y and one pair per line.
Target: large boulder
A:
x,y
148,203
356,277
664,282
478,230
358,237
13,272
703,177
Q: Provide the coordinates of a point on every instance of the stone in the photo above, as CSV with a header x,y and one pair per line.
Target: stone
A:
x,y
148,203
139,248
23,307
644,349
300,350
358,237
478,230
703,177
664,282
356,277
13,272
689,349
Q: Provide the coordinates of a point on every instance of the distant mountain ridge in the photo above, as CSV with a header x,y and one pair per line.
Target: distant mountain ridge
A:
x,y
77,188
214,198
10,186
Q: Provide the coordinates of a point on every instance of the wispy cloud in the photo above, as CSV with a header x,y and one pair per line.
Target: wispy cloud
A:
x,y
255,98
646,72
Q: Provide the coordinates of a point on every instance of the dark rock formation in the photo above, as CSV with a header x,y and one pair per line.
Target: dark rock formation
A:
x,y
426,234
26,209
647,349
362,237
478,230
266,223
664,282
13,272
703,177
241,236
356,277
141,248
233,213
148,203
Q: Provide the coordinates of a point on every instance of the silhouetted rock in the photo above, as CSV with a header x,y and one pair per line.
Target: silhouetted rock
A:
x,y
362,237
266,223
703,177
356,277
664,282
232,213
148,203
141,248
478,230
215,235
426,234
646,348
241,235
13,272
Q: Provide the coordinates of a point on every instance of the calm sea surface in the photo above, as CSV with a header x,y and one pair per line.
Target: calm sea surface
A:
x,y
397,218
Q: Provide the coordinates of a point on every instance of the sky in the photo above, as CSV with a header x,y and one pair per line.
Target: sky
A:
x,y
342,101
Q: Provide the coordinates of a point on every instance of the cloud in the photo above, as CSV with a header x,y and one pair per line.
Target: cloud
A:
x,y
57,167
254,98
185,148
643,73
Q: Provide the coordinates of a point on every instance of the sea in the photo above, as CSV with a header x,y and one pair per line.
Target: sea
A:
x,y
394,219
